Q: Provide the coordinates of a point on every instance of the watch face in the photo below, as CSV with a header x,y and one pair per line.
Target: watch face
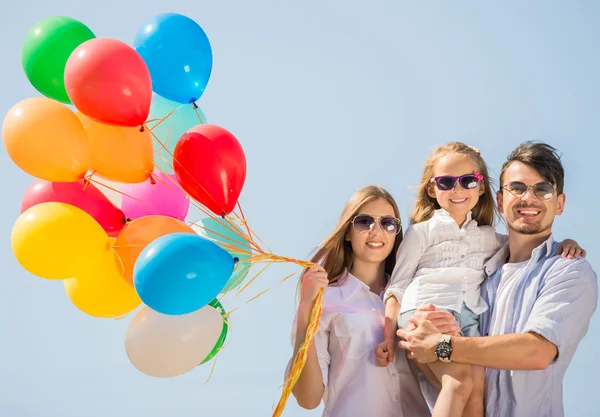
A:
x,y
443,350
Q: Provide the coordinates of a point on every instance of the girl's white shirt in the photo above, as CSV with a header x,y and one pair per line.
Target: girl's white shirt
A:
x,y
442,264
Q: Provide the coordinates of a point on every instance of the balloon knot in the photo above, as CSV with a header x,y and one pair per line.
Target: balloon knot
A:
x,y
223,215
194,104
152,180
236,260
126,220
141,128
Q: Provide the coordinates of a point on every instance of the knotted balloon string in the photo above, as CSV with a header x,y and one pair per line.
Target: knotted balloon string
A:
x,y
300,359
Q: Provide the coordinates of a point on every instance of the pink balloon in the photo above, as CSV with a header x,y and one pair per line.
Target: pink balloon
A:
x,y
160,195
86,197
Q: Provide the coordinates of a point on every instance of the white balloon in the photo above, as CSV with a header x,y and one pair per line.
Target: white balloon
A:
x,y
165,346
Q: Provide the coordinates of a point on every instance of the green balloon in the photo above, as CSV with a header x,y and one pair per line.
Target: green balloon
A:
x,y
45,52
181,118
216,304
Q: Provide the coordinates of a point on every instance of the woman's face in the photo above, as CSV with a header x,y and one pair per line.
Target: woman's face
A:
x,y
373,244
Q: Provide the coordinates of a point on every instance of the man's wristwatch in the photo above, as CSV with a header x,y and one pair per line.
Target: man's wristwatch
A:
x,y
443,348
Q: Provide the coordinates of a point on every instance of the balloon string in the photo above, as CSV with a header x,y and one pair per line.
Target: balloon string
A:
x,y
300,359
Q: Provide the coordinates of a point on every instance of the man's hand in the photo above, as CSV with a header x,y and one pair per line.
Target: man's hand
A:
x,y
384,352
442,320
420,342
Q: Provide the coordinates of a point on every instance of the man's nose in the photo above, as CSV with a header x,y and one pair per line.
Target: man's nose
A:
x,y
529,195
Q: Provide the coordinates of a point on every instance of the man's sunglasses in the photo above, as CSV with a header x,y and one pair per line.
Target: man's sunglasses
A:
x,y
542,190
364,222
447,182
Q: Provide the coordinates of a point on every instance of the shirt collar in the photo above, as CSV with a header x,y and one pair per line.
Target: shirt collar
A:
x,y
443,214
349,284
543,250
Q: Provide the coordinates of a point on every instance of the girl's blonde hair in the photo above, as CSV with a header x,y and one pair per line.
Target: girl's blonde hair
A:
x,y
425,206
335,252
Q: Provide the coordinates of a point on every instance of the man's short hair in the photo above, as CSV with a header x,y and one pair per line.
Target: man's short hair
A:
x,y
541,157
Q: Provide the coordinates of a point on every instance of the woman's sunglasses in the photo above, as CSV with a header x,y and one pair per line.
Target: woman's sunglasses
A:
x,y
467,182
364,222
542,190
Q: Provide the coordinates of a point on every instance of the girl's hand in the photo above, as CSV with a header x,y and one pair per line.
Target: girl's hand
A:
x,y
570,249
312,282
384,352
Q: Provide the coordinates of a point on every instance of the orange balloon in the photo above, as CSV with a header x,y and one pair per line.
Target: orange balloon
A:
x,y
122,154
136,235
46,139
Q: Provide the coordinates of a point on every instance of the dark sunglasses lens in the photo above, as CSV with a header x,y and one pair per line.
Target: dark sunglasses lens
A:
x,y
517,188
363,222
445,183
390,224
544,190
468,182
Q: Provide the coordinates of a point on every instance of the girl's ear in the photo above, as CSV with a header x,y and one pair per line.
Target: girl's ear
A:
x,y
430,190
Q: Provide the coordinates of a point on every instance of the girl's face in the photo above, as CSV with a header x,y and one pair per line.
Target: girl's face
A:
x,y
373,231
458,196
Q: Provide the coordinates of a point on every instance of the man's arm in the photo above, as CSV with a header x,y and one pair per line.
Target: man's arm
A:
x,y
559,318
523,351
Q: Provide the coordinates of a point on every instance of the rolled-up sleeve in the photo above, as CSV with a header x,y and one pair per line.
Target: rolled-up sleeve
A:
x,y
407,261
565,303
321,341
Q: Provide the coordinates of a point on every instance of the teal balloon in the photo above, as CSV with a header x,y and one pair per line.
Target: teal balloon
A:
x,y
170,130
221,234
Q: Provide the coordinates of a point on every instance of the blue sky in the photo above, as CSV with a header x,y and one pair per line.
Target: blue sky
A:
x,y
325,97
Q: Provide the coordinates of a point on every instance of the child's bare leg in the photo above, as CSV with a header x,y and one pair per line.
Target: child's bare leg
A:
x,y
474,407
457,385
433,380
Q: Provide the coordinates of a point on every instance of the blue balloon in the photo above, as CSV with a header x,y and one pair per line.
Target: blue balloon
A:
x,y
180,273
178,55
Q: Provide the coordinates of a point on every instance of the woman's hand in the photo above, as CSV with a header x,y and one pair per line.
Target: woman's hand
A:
x,y
313,281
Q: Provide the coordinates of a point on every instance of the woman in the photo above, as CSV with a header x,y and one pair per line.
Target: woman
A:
x,y
353,265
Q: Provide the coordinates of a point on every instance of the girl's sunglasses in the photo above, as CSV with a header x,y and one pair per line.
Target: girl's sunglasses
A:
x,y
467,182
542,190
364,222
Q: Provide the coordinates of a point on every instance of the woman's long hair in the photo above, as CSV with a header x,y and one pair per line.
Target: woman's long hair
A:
x,y
335,252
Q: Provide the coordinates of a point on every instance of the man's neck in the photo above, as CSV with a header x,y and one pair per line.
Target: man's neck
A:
x,y
521,246
371,274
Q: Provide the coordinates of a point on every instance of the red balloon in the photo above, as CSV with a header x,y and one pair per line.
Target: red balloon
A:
x,y
210,165
88,198
108,80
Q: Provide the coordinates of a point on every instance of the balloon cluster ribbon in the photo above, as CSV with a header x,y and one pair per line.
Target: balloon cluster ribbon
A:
x,y
300,359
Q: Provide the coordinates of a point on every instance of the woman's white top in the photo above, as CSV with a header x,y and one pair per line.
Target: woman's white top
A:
x,y
352,325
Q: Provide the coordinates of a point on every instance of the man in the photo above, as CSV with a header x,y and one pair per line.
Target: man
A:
x,y
540,304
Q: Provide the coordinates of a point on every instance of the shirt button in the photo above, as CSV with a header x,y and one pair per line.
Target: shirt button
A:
x,y
462,256
394,375
397,397
464,292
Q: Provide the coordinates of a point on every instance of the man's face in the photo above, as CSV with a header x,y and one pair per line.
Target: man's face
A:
x,y
527,214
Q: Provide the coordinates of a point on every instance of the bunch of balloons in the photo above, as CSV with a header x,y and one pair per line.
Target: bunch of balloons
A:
x,y
119,150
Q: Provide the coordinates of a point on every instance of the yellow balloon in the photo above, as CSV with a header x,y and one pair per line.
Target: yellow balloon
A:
x,y
58,241
103,292
46,140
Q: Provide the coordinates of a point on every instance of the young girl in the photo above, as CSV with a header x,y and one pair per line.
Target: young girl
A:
x,y
440,262
353,266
